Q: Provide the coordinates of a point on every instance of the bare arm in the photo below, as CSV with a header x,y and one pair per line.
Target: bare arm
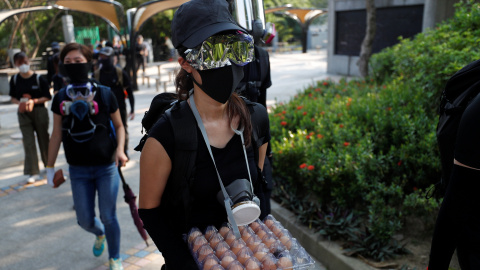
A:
x,y
262,151
120,157
55,140
155,167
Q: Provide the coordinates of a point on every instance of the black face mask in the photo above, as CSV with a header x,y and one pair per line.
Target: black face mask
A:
x,y
220,83
78,72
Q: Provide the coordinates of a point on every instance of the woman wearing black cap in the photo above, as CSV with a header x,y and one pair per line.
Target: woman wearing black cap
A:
x,y
212,51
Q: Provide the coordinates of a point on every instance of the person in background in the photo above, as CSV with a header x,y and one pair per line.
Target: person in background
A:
x,y
141,54
83,115
58,79
119,82
30,91
50,63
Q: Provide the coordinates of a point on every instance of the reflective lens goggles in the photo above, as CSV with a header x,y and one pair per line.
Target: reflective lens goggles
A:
x,y
76,91
222,50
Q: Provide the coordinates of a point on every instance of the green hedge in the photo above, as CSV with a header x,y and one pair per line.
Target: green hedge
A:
x,y
354,158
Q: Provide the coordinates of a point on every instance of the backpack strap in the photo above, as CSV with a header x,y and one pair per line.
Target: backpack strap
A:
x,y
185,133
38,80
15,79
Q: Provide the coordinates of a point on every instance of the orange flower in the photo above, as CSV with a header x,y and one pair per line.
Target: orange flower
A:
x,y
280,152
341,125
322,112
415,188
325,83
307,137
310,95
311,133
304,113
313,119
399,163
303,165
284,112
299,107
349,99
282,117
283,123
346,143
389,108
318,90
310,167
319,136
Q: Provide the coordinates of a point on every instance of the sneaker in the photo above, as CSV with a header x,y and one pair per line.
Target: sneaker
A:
x,y
116,264
32,179
99,245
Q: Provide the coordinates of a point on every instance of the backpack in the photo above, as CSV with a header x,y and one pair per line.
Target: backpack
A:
x,y
459,91
184,127
96,75
16,75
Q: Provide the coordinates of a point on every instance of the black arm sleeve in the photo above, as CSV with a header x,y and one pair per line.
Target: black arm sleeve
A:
x,y
174,249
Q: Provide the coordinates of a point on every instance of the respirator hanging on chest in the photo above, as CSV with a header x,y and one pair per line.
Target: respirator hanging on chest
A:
x,y
79,108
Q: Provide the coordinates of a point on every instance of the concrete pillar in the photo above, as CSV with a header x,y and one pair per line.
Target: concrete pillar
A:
x,y
436,11
68,33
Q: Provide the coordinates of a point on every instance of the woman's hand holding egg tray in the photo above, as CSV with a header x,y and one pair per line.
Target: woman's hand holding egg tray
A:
x,y
263,245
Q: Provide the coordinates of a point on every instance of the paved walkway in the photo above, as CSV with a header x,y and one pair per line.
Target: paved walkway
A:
x,y
38,227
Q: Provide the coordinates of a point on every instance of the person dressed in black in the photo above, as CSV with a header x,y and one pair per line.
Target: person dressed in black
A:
x,y
118,80
30,91
220,120
141,54
51,68
254,87
458,221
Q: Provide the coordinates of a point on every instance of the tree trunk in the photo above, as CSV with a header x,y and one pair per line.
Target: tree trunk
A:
x,y
366,49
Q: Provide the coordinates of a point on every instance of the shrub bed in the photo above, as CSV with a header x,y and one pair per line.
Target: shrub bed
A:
x,y
354,158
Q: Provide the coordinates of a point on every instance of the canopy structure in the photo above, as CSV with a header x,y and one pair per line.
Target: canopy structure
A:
x,y
147,10
304,16
110,11
5,14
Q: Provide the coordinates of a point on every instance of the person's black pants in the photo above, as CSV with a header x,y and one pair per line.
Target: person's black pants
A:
x,y
123,115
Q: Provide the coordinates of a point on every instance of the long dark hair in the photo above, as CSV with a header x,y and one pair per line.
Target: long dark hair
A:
x,y
235,105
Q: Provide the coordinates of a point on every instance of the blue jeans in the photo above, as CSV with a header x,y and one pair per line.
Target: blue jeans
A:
x,y
104,179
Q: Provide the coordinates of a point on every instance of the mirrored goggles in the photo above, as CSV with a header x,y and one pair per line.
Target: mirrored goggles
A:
x,y
76,91
222,50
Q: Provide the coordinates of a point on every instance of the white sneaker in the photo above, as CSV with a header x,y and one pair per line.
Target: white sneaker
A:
x,y
32,179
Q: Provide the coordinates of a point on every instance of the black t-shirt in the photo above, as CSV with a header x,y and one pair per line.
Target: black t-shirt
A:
x,y
230,160
21,86
100,150
110,79
139,48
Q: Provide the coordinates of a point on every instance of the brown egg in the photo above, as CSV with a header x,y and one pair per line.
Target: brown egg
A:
x,y
260,255
223,231
268,240
203,252
252,264
230,237
235,265
217,267
261,233
226,261
253,242
210,231
221,248
268,262
237,245
193,234
284,262
244,254
286,241
215,239
246,235
268,223
209,263
276,230
198,242
255,225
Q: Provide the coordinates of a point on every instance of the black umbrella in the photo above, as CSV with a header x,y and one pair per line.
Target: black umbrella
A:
x,y
130,198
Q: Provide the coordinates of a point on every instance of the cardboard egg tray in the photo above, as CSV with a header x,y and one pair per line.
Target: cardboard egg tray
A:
x,y
263,245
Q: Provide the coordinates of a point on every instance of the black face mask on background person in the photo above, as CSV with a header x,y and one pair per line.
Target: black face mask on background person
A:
x,y
77,72
220,83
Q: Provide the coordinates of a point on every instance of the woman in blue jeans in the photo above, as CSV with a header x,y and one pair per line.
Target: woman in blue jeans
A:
x,y
82,117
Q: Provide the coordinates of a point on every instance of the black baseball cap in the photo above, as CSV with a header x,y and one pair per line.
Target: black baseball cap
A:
x,y
196,20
